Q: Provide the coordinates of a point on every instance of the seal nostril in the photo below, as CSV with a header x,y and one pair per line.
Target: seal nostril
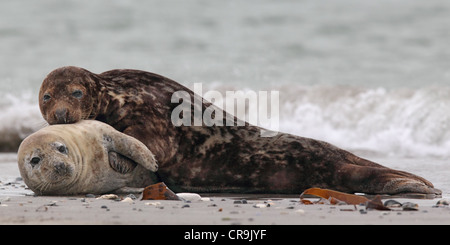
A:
x,y
61,115
34,161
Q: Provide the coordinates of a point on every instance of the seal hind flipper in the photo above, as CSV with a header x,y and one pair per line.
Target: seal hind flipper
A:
x,y
375,180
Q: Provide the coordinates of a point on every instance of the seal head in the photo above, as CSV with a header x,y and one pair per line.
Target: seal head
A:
x,y
66,96
84,157
48,164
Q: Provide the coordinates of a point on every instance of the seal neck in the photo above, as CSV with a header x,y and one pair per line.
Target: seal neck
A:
x,y
99,91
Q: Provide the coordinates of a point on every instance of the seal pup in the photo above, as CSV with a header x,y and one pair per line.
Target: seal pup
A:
x,y
86,157
215,158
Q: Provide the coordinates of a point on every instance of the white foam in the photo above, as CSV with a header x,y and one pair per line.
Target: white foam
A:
x,y
395,122
20,114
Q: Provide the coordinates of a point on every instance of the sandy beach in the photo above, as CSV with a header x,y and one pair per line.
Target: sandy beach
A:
x,y
19,206
19,210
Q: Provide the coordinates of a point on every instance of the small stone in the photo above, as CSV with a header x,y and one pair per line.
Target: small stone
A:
x,y
392,203
409,206
133,197
103,206
127,200
108,196
192,197
261,205
299,211
185,206
153,203
442,202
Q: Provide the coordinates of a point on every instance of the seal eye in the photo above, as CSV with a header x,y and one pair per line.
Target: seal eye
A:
x,y
62,149
46,97
77,94
34,161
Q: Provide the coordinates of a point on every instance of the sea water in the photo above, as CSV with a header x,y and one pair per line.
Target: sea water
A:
x,y
371,77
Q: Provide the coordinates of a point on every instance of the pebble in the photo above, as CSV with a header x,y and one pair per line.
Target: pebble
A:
x,y
192,197
186,206
392,203
133,197
243,201
299,211
153,203
409,206
109,197
127,200
261,205
442,202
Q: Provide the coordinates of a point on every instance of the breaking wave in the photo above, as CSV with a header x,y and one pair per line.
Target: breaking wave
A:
x,y
395,122
402,122
19,117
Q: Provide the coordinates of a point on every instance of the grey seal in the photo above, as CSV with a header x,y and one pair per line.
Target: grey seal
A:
x,y
86,157
211,158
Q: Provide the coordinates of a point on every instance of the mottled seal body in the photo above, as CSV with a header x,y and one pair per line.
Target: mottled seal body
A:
x,y
216,158
86,157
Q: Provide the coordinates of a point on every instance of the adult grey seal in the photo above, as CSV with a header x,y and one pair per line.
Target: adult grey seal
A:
x,y
215,158
86,157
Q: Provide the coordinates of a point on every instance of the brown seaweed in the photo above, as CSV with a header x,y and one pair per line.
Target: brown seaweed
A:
x,y
158,191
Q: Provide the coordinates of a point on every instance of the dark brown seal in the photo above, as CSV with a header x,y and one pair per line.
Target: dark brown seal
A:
x,y
216,158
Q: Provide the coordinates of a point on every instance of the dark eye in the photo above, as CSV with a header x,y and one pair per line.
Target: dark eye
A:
x,y
34,161
46,97
62,149
77,94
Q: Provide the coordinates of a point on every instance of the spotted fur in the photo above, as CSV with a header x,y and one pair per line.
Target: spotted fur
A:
x,y
213,159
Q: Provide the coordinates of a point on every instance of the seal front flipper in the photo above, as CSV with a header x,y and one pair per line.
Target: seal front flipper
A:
x,y
128,147
120,163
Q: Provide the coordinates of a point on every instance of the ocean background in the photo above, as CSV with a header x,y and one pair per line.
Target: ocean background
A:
x,y
371,77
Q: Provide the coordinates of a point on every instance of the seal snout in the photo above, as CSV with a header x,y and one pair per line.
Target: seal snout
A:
x,y
61,115
61,168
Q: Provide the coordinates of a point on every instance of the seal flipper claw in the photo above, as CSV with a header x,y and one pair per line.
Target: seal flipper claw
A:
x,y
121,163
131,148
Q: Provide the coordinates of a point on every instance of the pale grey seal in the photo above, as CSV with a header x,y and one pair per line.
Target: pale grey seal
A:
x,y
86,157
